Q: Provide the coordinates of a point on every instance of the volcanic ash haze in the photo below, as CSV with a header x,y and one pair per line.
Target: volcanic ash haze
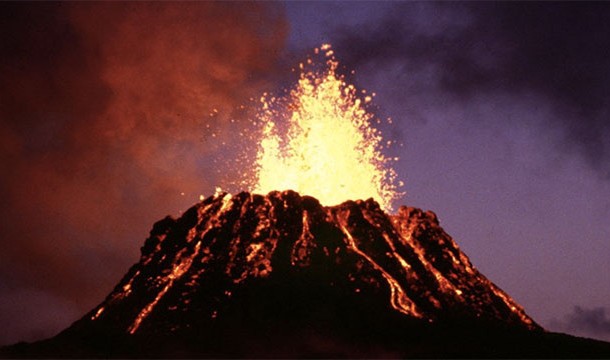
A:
x,y
103,108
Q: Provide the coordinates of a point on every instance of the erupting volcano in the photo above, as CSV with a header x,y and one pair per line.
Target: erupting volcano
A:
x,y
316,267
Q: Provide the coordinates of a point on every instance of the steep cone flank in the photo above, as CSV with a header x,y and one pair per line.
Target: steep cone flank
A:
x,y
282,276
192,268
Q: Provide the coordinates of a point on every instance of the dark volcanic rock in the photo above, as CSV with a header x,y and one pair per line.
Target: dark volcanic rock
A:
x,y
282,276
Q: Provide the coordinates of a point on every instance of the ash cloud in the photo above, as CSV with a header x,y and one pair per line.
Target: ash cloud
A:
x,y
104,111
593,322
557,52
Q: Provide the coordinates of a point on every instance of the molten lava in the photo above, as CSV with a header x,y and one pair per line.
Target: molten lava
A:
x,y
329,149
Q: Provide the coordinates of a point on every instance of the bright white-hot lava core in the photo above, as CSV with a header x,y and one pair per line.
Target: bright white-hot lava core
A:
x,y
322,142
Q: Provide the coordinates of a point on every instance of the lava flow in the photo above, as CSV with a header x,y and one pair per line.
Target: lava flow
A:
x,y
329,148
405,262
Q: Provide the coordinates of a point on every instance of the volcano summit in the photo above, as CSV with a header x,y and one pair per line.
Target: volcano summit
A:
x,y
280,275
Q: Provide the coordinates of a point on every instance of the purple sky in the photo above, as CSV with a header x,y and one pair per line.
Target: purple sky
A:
x,y
502,109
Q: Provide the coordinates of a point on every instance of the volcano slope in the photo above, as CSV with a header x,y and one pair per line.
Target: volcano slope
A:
x,y
280,275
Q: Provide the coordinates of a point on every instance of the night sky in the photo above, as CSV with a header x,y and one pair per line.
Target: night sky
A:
x,y
114,115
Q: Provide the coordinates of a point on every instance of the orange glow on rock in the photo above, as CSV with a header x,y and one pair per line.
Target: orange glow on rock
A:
x,y
329,149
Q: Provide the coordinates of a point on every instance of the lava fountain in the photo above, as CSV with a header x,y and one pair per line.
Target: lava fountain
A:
x,y
319,140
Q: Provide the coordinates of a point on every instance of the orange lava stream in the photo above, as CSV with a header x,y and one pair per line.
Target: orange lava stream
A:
x,y
398,299
329,149
178,270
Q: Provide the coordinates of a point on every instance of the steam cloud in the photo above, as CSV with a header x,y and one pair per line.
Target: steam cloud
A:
x,y
104,108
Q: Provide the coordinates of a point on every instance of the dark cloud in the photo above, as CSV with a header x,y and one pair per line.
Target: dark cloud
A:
x,y
105,121
559,52
585,322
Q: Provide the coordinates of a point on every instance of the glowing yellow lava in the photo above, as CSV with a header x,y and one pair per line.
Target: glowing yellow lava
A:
x,y
329,149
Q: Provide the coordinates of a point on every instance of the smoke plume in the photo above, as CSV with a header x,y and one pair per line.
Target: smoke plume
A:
x,y
555,56
106,120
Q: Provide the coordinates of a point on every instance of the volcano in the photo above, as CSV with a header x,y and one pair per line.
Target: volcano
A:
x,y
280,275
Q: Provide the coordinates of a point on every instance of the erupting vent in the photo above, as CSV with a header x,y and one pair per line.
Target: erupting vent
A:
x,y
327,135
